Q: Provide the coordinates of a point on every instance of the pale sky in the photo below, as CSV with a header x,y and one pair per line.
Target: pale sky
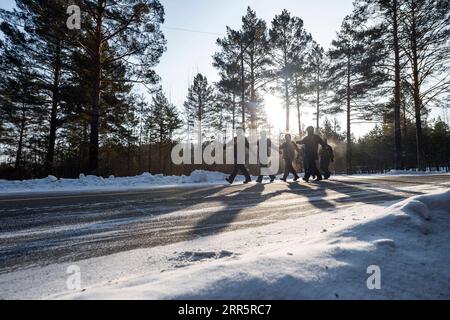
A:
x,y
190,52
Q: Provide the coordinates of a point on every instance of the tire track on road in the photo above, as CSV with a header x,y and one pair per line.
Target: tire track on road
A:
x,y
47,232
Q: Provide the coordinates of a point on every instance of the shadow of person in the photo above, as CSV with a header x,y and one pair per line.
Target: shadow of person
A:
x,y
315,193
237,201
367,193
393,243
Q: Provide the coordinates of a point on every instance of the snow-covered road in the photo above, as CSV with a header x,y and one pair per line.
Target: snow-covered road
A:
x,y
119,235
40,230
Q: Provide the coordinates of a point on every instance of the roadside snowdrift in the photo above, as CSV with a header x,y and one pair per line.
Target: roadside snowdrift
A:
x,y
317,257
144,181
94,183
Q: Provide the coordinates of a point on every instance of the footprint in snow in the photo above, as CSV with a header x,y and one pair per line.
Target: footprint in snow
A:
x,y
197,256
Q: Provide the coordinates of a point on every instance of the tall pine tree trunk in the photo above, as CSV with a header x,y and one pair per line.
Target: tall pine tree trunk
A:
x,y
242,86
349,134
234,115
399,163
252,94
95,113
416,95
83,147
405,124
161,166
140,152
54,111
299,114
129,157
21,135
318,99
149,155
286,98
286,93
418,118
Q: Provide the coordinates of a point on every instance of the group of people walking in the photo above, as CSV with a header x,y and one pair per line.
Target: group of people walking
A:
x,y
289,149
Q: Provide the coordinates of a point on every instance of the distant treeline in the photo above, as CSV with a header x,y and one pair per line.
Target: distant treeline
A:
x,y
71,100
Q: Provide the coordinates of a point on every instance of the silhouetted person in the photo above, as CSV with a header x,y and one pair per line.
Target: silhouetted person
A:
x,y
288,148
239,167
326,156
269,151
311,143
302,159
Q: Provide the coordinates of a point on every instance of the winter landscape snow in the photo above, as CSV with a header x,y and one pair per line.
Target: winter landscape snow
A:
x,y
145,181
330,255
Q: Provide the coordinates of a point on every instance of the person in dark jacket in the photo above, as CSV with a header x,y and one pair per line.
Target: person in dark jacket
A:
x,y
288,149
326,156
269,149
311,143
239,166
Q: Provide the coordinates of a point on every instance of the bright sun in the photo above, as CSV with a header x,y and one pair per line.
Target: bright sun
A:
x,y
276,115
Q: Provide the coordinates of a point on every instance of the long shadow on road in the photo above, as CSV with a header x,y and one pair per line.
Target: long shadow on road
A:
x,y
316,195
139,220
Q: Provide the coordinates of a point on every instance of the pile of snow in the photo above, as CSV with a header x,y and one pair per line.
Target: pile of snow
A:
x,y
200,176
393,173
85,183
331,255
415,172
144,181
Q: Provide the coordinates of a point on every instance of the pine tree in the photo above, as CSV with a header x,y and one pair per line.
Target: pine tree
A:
x,y
21,98
142,113
439,145
289,42
200,105
46,44
232,82
164,120
226,61
332,131
299,87
243,62
257,60
425,33
223,114
354,78
388,12
126,32
317,71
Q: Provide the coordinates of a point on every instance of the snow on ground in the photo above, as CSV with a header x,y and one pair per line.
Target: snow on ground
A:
x,y
144,181
412,172
94,183
324,256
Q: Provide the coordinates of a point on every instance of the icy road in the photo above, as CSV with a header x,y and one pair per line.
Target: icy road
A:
x,y
42,229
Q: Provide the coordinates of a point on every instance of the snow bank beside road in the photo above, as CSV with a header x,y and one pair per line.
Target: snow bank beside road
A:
x,y
415,172
144,181
325,256
94,183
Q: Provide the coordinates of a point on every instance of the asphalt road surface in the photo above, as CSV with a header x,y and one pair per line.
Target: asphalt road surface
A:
x,y
42,229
